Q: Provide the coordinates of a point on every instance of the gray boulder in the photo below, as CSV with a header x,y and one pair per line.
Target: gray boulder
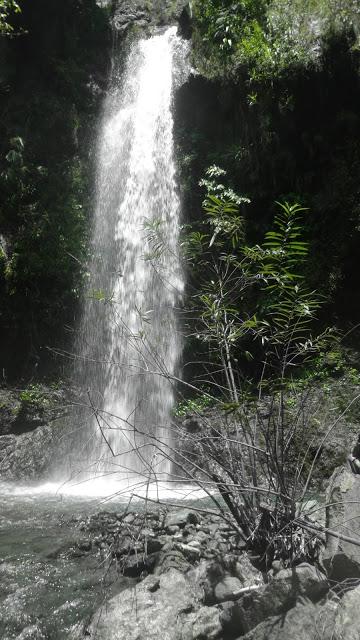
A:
x,y
27,456
31,633
227,589
22,411
305,621
246,572
347,619
288,584
9,409
181,517
280,595
342,558
170,609
334,619
204,623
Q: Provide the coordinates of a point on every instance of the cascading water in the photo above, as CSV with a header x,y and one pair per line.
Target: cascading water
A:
x,y
128,342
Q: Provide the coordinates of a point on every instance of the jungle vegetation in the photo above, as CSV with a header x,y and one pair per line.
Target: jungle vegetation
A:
x,y
274,105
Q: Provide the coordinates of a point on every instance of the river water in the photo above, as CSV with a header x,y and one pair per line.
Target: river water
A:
x,y
128,350
48,585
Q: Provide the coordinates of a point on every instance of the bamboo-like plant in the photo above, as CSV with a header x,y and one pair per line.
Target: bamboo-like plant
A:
x,y
255,298
250,451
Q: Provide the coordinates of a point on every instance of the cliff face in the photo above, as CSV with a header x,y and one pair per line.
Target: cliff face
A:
x,y
296,138
294,135
142,14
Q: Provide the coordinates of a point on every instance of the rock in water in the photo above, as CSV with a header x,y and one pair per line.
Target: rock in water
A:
x,y
27,456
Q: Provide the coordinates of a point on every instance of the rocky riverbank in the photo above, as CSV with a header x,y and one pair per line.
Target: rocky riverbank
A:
x,y
195,580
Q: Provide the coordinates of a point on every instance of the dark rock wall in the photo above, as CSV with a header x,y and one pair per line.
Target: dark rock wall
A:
x,y
296,137
30,429
53,74
142,14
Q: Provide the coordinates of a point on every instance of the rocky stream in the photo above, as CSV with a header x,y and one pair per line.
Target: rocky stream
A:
x,y
75,568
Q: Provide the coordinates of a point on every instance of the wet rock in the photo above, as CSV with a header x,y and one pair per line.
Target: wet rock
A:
x,y
347,619
171,559
190,552
139,13
204,623
343,516
143,614
305,621
227,589
7,449
27,456
185,23
138,564
280,594
181,518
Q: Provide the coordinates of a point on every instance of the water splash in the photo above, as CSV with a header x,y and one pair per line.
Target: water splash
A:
x,y
128,343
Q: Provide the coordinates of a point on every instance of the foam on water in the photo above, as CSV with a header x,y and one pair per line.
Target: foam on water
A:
x,y
108,489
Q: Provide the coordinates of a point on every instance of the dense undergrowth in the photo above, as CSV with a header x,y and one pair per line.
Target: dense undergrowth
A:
x,y
284,124
275,105
267,38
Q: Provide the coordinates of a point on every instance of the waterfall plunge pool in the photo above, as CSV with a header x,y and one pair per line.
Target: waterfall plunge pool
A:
x,y
49,588
47,585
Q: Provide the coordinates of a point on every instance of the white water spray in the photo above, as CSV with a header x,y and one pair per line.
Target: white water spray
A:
x,y
129,344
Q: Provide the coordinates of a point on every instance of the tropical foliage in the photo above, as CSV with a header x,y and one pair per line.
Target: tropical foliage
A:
x,y
49,106
250,295
252,303
268,37
7,9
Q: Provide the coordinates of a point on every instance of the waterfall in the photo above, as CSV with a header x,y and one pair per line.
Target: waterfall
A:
x,y
128,344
